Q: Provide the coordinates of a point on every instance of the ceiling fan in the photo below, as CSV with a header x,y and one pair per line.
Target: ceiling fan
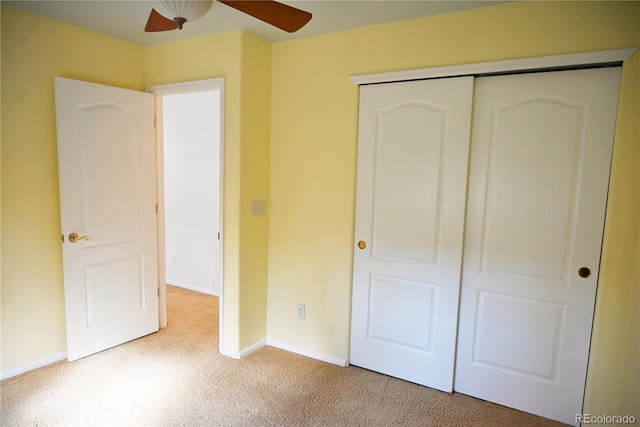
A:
x,y
172,14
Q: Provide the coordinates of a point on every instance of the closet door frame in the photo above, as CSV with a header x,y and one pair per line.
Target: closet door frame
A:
x,y
547,63
542,63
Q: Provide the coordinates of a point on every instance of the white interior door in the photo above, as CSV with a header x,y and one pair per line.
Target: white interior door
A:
x,y
411,187
106,160
539,171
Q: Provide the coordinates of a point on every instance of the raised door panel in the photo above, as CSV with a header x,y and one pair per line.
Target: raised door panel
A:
x,y
110,174
407,182
534,148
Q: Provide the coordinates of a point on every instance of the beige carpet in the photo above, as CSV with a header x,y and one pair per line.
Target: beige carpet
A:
x,y
177,377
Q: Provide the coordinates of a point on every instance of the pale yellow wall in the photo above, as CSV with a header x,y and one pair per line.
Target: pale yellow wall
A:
x,y
628,393
313,158
202,58
614,375
244,61
0,202
254,231
34,51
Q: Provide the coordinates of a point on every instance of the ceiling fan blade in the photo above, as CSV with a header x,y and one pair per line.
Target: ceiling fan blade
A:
x,y
157,22
279,15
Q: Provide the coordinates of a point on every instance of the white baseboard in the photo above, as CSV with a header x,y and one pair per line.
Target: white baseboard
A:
x,y
244,352
231,354
304,352
287,347
192,288
236,355
248,350
31,366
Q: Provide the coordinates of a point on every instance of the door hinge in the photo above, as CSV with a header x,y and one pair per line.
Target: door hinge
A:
x,y
218,235
156,209
158,292
155,121
62,237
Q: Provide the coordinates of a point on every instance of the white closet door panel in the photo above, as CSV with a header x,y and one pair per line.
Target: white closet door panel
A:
x,y
538,181
412,170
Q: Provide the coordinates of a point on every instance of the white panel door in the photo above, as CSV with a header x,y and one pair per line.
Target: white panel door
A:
x,y
411,187
106,160
538,180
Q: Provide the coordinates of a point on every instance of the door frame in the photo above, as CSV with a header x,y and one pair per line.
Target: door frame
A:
x,y
176,88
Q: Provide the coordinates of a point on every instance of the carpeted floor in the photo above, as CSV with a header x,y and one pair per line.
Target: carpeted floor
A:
x,y
176,377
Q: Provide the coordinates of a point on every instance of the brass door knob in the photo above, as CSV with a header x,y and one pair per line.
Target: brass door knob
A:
x,y
362,244
73,237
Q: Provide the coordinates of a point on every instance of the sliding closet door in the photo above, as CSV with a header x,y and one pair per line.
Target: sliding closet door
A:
x,y
539,171
412,174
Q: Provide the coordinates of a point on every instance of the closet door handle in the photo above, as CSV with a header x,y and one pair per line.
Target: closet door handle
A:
x,y
362,244
584,272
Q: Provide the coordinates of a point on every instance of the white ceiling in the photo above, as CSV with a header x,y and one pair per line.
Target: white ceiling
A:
x,y
126,19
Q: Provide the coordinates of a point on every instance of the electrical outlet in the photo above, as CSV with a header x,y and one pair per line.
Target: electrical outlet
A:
x,y
300,311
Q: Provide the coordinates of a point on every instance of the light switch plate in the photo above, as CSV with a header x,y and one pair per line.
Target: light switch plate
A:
x,y
257,208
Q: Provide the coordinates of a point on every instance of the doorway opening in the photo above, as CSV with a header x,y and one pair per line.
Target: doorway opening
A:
x,y
189,128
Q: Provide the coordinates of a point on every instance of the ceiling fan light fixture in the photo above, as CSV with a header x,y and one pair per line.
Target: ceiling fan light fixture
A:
x,y
182,11
169,15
